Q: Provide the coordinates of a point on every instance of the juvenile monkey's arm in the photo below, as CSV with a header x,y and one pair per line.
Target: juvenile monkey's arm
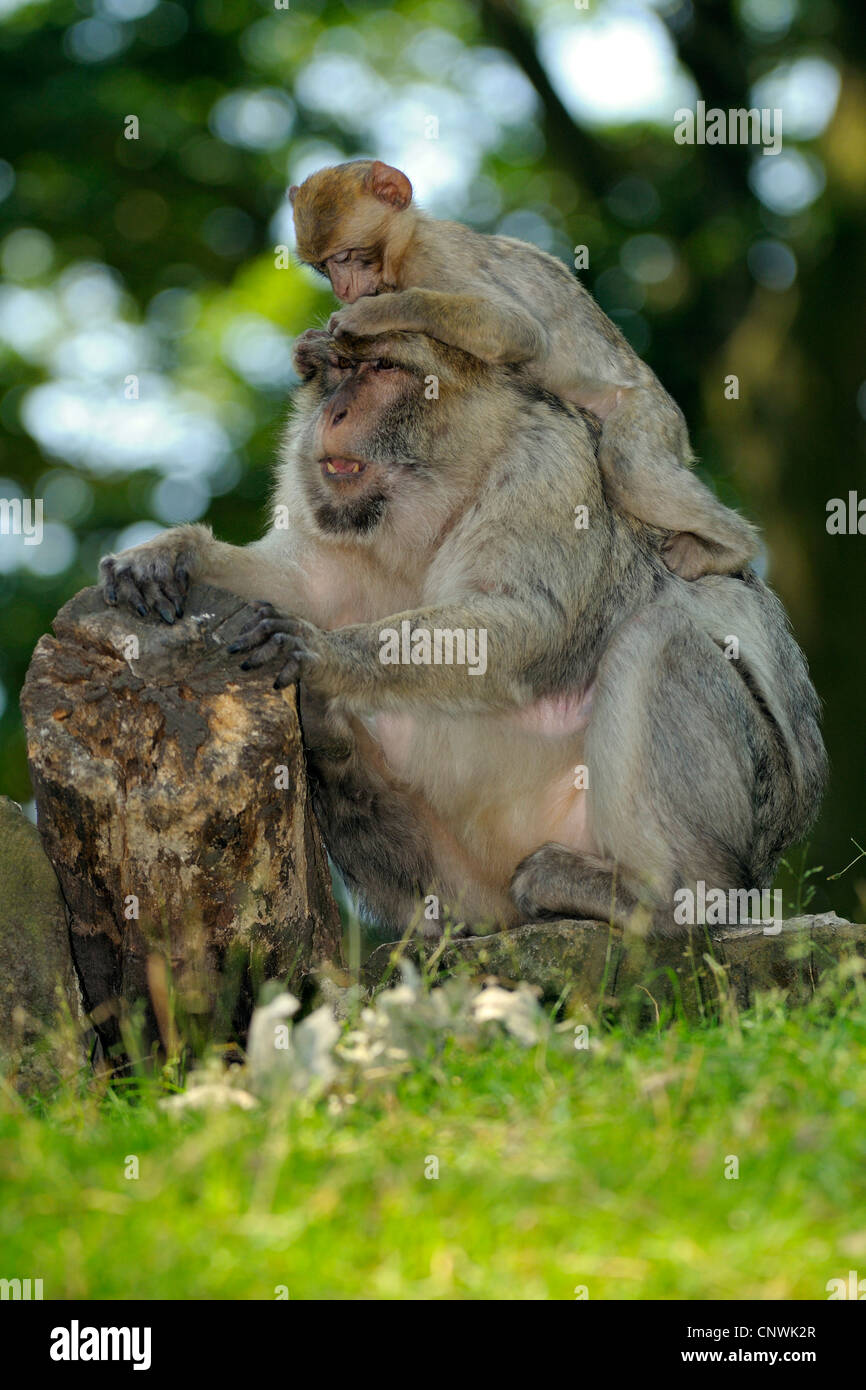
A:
x,y
494,332
494,642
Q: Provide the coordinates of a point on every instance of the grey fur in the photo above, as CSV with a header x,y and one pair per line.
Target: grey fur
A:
x,y
700,766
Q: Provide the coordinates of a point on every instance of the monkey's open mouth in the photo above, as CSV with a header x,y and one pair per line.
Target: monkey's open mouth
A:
x,y
342,468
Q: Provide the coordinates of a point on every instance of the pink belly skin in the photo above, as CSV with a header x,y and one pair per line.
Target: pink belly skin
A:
x,y
563,816
551,809
555,715
558,811
394,732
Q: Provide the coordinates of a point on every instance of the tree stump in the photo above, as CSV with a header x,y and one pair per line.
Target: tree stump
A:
x,y
172,801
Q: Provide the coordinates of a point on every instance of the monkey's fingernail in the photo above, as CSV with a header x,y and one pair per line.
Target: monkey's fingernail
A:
x,y
142,610
233,647
167,616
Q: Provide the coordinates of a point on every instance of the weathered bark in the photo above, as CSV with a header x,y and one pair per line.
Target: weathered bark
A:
x,y
155,771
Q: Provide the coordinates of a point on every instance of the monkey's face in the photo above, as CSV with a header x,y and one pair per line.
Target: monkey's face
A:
x,y
358,270
347,225
366,443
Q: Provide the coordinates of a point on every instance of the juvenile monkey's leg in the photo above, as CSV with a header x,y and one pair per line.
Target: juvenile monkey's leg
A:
x,y
643,456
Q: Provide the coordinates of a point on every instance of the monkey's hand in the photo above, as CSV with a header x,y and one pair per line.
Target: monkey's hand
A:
x,y
154,577
373,313
299,646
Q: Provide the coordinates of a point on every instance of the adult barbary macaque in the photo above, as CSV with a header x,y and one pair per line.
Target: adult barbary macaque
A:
x,y
456,514
504,300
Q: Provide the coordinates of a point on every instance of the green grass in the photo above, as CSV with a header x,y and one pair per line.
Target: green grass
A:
x,y
557,1168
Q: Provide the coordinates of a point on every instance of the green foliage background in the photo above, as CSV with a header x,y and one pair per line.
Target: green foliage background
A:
x,y
181,225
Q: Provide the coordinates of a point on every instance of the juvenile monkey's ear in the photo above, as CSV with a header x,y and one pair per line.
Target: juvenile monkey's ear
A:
x,y
388,185
293,193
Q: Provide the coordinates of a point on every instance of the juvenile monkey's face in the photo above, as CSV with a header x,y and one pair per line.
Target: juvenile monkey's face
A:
x,y
357,269
365,422
346,219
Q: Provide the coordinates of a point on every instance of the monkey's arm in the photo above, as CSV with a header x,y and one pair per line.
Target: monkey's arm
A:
x,y
494,332
156,576
470,655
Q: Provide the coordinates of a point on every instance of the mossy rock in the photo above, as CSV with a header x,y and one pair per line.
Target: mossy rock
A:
x,y
588,966
40,1010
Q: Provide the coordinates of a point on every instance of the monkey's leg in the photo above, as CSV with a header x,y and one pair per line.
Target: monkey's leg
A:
x,y
368,823
684,764
555,881
643,455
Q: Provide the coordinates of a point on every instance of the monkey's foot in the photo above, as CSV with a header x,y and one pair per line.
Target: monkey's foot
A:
x,y
555,881
690,557
538,880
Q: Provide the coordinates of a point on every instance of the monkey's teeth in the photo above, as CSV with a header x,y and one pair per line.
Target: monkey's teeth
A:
x,y
331,468
357,468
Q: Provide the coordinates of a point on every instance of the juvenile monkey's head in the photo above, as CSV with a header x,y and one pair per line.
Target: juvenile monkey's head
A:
x,y
374,446
353,223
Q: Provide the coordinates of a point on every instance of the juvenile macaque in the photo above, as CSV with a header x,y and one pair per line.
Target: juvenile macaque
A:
x,y
607,753
506,301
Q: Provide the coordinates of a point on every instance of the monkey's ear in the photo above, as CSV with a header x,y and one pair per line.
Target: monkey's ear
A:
x,y
388,185
293,193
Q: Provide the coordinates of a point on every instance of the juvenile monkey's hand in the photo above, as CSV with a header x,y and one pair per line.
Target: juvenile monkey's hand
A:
x,y
379,313
153,577
310,351
297,645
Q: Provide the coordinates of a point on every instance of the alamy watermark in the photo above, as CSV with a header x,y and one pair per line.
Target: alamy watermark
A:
x,y
21,518
738,126
77,1343
720,907
434,646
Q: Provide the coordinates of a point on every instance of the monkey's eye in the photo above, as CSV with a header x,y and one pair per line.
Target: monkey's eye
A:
x,y
341,258
344,364
384,364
